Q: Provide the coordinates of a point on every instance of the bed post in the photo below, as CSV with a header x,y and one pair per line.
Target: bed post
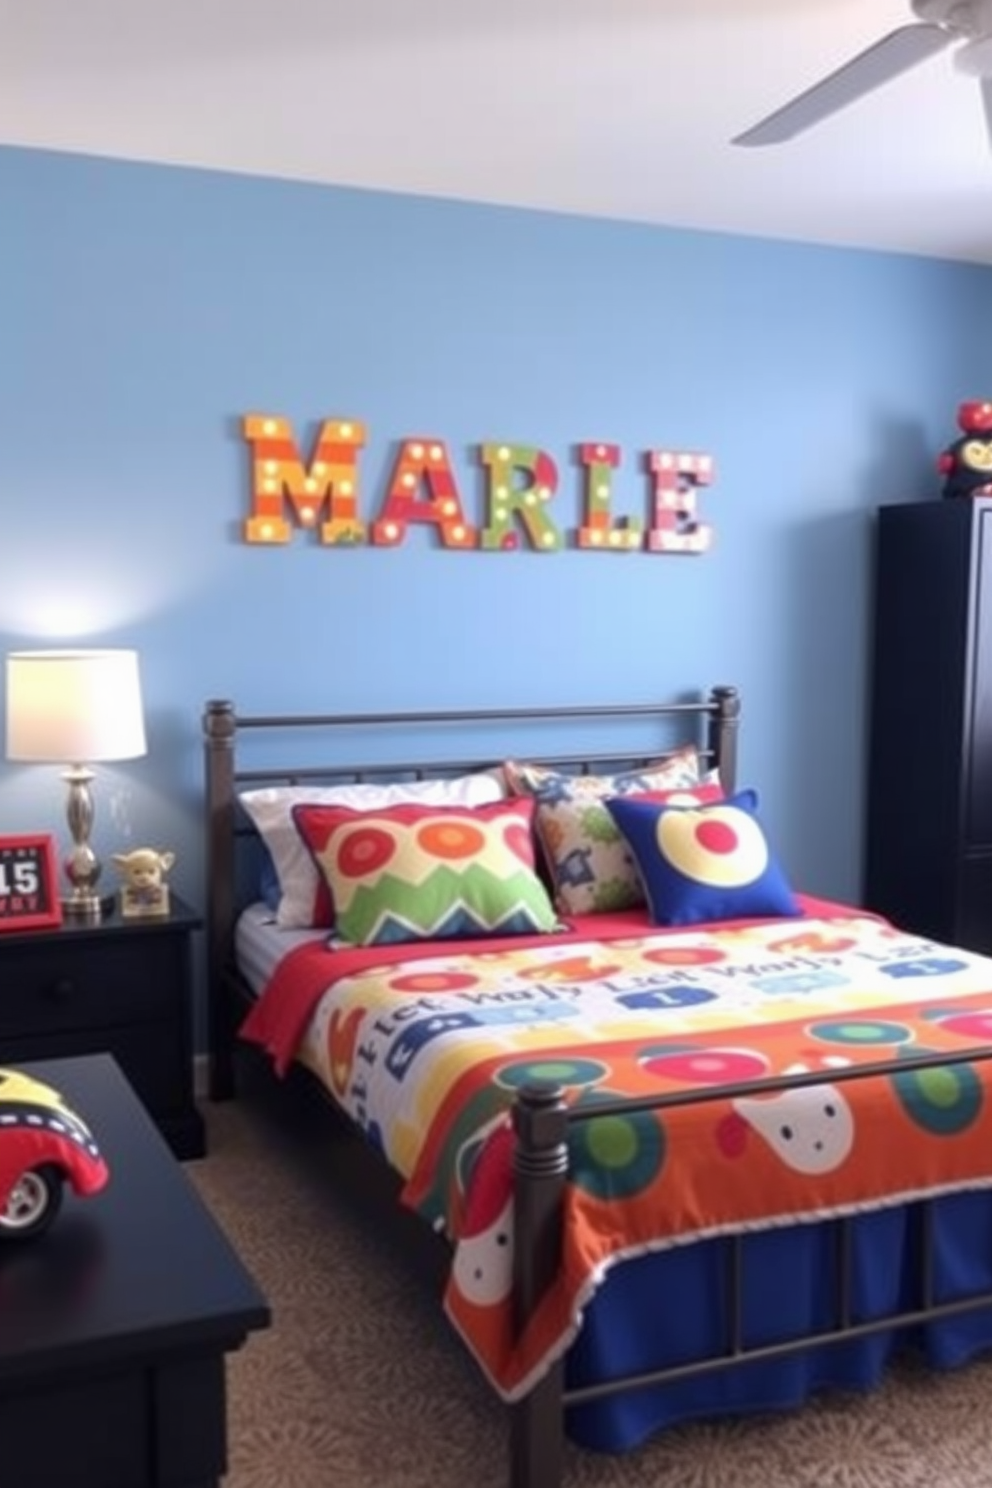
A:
x,y
219,726
537,1426
722,742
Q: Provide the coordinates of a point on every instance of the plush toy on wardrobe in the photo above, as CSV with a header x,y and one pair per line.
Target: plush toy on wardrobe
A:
x,y
966,465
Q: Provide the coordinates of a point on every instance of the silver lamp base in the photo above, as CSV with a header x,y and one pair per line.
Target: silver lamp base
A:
x,y
82,866
84,906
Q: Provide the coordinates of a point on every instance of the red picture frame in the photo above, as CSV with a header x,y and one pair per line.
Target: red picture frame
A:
x,y
29,891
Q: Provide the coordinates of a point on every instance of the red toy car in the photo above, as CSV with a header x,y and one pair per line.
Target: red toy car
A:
x,y
43,1145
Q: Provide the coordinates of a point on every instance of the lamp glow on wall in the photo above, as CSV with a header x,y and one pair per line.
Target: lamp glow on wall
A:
x,y
75,708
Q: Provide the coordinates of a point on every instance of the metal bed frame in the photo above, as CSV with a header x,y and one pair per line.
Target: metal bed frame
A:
x,y
541,1116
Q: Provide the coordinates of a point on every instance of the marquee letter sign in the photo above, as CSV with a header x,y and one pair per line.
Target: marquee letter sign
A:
x,y
423,464
525,501
598,531
675,529
330,478
321,494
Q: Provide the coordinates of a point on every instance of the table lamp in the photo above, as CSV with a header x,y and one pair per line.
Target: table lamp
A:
x,y
75,708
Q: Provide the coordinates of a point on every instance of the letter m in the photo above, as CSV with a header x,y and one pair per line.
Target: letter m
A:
x,y
280,475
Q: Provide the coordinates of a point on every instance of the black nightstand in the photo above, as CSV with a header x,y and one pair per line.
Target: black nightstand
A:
x,y
120,986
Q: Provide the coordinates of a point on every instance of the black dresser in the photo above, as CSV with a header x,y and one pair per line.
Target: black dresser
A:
x,y
115,1326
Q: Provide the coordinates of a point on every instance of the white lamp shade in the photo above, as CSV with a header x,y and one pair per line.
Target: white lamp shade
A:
x,y
74,707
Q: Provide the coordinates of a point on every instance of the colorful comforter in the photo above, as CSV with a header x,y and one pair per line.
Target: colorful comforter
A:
x,y
425,1050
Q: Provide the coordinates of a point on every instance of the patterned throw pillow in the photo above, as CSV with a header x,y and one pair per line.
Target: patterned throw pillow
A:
x,y
410,873
704,863
299,894
588,861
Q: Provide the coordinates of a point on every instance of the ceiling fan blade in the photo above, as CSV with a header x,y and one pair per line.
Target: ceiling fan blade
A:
x,y
895,53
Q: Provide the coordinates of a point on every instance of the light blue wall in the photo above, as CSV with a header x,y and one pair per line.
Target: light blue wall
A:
x,y
143,310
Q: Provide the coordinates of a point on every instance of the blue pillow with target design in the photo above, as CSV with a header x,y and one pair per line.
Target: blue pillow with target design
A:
x,y
709,862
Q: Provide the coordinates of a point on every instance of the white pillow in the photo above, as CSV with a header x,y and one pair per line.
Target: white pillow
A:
x,y
300,886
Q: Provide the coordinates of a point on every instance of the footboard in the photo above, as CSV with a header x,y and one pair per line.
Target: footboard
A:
x,y
541,1121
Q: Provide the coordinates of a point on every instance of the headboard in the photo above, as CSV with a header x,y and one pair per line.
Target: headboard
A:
x,y
710,722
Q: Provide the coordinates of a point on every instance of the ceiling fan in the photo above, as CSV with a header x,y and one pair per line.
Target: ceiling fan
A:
x,y
966,24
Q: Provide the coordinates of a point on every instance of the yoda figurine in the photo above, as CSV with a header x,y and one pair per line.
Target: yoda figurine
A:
x,y
143,888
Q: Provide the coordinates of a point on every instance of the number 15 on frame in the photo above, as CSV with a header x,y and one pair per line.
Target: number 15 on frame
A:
x,y
28,883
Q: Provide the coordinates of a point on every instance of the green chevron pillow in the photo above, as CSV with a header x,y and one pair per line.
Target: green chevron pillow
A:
x,y
413,873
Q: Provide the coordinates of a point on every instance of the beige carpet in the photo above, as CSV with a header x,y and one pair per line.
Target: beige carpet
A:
x,y
361,1384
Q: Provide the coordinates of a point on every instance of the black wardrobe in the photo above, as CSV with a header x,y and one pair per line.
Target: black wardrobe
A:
x,y
929,824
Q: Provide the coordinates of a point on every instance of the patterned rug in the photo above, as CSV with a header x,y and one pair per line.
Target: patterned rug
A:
x,y
360,1380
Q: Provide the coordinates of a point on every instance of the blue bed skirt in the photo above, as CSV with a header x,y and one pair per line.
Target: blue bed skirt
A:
x,y
671,1308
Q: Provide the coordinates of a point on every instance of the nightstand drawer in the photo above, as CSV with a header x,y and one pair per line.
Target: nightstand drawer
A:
x,y
148,1054
120,986
63,987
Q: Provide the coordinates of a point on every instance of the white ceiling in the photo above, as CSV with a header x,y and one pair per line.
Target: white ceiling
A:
x,y
618,108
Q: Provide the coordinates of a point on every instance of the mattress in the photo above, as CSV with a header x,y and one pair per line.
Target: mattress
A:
x,y
260,944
